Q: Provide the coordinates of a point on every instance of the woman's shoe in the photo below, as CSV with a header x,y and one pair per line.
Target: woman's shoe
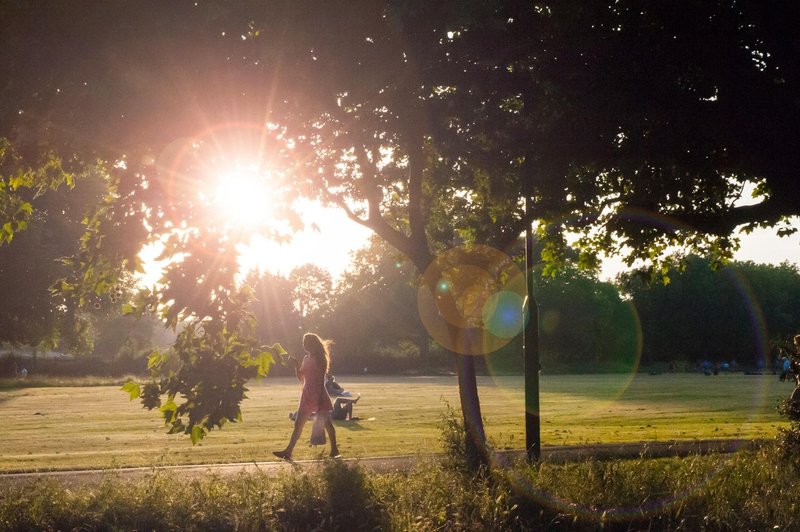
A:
x,y
283,455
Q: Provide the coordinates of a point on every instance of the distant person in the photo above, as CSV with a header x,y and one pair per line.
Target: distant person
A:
x,y
786,367
313,398
333,388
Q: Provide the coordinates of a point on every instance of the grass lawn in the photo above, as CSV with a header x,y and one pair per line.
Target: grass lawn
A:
x,y
65,427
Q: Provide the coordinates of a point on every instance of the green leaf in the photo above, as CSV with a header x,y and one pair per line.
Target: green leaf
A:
x,y
197,434
155,359
16,181
169,410
265,361
177,427
132,388
277,348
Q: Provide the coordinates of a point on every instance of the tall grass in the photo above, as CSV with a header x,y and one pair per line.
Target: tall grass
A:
x,y
750,490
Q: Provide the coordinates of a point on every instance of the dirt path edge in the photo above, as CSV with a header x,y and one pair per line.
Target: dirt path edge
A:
x,y
550,454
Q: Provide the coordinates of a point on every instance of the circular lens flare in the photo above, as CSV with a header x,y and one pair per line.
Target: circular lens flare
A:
x,y
470,299
501,314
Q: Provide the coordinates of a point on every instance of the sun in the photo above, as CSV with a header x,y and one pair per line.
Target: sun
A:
x,y
241,176
246,199
242,195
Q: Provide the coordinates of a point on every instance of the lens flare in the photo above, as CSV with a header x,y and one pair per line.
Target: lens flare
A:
x,y
501,314
470,299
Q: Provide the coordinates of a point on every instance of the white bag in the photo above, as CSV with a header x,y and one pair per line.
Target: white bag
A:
x,y
318,429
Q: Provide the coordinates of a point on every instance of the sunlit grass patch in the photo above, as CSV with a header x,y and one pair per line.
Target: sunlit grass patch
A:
x,y
97,426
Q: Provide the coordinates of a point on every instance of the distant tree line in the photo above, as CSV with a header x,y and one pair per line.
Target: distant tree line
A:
x,y
743,312
740,312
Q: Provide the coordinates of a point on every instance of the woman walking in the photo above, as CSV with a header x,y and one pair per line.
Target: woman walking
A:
x,y
314,398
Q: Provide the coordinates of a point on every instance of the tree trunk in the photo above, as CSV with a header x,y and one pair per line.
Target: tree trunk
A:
x,y
475,437
415,247
474,434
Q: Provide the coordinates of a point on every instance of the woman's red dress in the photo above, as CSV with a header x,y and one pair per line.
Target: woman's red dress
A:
x,y
313,398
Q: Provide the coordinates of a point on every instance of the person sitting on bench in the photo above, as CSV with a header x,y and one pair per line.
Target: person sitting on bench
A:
x,y
343,400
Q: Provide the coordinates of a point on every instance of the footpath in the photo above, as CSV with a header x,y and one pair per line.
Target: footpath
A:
x,y
550,454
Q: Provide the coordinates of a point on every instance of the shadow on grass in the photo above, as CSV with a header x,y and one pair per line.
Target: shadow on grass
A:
x,y
350,424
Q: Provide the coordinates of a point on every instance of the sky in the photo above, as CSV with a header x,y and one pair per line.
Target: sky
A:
x,y
764,246
328,241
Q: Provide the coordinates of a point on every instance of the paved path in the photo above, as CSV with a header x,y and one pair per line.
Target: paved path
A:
x,y
552,454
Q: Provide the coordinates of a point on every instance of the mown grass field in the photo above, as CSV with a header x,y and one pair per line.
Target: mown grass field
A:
x,y
68,427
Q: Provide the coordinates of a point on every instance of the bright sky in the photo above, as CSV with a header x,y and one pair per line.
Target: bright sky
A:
x,y
762,247
328,241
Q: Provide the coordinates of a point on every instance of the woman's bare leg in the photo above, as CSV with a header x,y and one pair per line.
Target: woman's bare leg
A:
x,y
299,423
331,430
